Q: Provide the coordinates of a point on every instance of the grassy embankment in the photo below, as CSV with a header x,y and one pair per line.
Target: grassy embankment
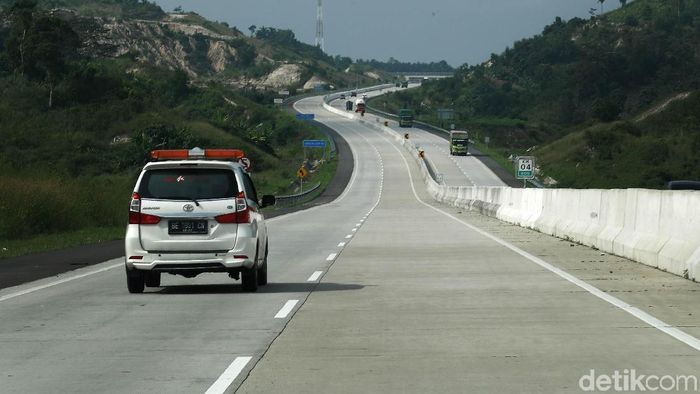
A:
x,y
65,180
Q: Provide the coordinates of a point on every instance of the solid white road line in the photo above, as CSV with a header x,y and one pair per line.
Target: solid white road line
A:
x,y
288,307
57,282
331,256
636,312
340,245
229,375
314,277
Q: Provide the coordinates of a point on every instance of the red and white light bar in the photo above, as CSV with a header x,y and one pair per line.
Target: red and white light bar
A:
x,y
198,153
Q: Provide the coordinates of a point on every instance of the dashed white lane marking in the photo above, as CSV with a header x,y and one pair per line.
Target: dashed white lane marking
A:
x,y
358,225
286,309
331,256
229,375
314,277
348,236
354,230
340,245
58,282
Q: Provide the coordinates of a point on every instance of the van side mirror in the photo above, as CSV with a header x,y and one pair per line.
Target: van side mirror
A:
x,y
267,200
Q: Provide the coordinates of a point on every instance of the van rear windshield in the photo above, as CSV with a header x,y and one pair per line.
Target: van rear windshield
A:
x,y
188,184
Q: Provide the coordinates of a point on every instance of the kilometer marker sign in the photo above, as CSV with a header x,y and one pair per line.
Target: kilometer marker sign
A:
x,y
525,167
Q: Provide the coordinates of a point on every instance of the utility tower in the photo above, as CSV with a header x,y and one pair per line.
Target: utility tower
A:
x,y
319,25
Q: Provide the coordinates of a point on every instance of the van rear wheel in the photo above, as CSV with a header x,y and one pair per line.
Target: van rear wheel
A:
x,y
135,280
152,279
262,271
249,279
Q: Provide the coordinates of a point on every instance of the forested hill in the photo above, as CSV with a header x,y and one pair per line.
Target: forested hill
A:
x,y
90,87
607,80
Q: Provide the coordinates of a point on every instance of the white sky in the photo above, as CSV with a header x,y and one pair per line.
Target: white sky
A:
x,y
457,31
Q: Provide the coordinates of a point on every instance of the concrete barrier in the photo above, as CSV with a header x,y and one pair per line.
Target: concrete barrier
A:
x,y
659,228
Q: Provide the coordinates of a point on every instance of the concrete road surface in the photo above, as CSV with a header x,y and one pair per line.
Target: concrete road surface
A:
x,y
381,290
446,308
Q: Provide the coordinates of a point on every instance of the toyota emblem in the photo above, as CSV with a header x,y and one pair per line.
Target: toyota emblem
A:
x,y
188,208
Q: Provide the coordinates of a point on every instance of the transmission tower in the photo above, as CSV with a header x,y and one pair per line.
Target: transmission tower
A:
x,y
319,25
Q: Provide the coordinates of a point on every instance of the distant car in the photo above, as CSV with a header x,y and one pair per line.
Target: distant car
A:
x,y
353,94
195,211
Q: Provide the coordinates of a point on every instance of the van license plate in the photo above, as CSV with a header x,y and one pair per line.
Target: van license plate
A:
x,y
187,227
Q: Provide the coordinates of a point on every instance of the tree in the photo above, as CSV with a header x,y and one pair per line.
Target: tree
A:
x,y
252,29
51,44
22,17
623,3
39,46
178,9
601,6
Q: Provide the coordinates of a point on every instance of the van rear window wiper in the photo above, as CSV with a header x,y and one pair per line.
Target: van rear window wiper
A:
x,y
181,198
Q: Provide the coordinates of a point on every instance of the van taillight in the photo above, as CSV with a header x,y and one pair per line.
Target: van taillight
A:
x,y
135,215
242,214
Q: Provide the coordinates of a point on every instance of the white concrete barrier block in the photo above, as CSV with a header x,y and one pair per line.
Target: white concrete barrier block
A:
x,y
625,240
549,217
680,221
587,216
650,239
611,218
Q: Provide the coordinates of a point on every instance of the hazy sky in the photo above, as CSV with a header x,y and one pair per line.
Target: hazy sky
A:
x,y
457,31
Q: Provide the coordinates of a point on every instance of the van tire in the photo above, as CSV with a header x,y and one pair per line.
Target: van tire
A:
x,y
249,279
135,280
152,279
262,271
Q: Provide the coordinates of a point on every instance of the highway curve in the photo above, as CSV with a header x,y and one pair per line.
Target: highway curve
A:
x,y
379,290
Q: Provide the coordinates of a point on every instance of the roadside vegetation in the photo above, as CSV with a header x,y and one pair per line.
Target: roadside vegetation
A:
x,y
609,102
77,129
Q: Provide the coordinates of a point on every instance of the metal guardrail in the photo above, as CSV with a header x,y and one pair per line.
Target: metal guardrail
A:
x,y
286,201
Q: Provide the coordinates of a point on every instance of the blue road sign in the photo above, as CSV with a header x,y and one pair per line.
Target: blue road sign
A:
x,y
305,116
314,143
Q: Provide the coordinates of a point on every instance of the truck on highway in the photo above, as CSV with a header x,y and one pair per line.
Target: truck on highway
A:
x,y
360,106
405,117
459,143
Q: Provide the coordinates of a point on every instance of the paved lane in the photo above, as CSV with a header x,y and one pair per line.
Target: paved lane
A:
x,y
89,335
445,308
376,291
454,170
